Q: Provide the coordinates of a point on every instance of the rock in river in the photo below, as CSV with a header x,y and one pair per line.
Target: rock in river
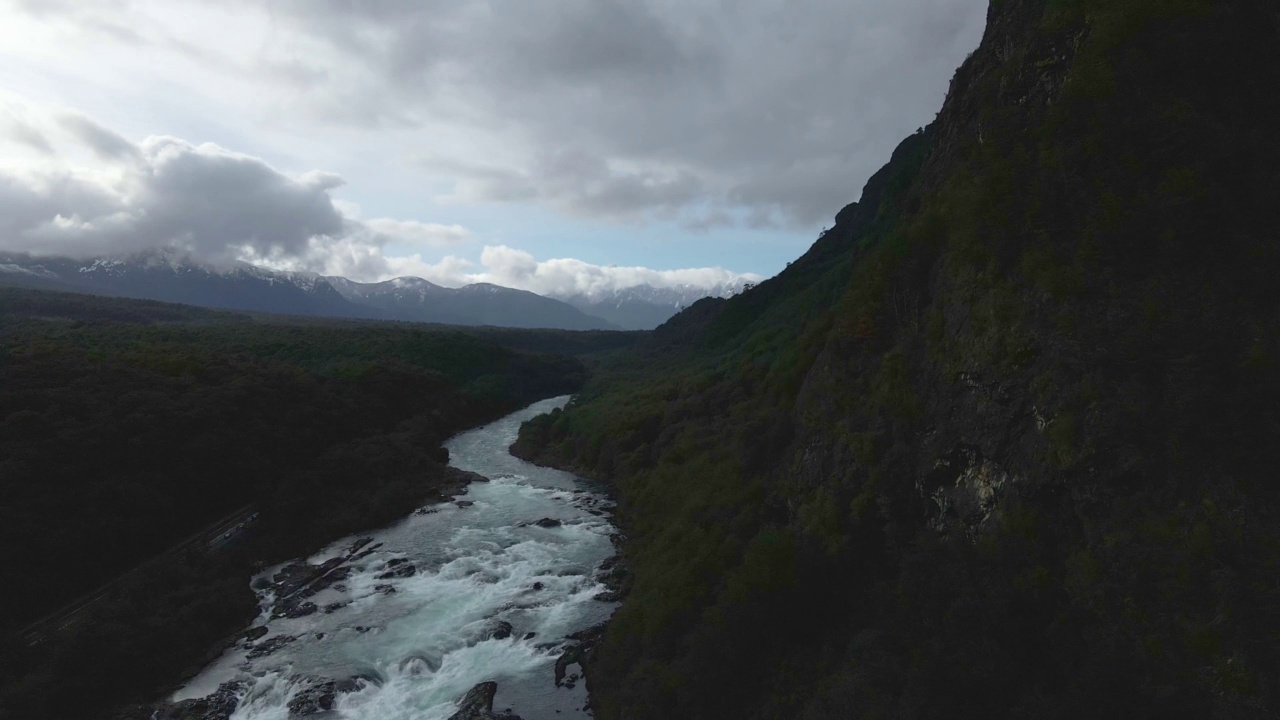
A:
x,y
477,704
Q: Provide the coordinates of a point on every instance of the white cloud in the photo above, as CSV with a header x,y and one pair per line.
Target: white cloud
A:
x,y
507,266
221,206
105,194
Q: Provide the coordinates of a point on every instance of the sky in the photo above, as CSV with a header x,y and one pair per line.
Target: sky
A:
x,y
553,145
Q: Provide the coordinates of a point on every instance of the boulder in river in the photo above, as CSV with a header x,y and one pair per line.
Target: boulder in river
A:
x,y
292,577
477,704
548,523
577,652
498,630
297,610
315,698
574,654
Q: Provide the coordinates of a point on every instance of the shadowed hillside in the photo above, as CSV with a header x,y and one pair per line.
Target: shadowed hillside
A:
x,y
998,445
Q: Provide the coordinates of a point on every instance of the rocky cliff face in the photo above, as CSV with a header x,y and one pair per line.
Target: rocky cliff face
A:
x,y
997,445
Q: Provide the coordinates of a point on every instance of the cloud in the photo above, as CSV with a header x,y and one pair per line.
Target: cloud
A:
x,y
703,112
214,203
103,142
14,127
418,234
624,109
578,183
222,206
509,267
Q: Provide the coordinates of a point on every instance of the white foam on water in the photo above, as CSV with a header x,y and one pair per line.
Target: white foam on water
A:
x,y
415,651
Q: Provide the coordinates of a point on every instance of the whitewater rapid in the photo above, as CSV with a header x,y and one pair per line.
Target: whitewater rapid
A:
x,y
410,647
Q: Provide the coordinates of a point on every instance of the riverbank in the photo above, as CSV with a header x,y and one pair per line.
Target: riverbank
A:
x,y
503,583
531,445
170,619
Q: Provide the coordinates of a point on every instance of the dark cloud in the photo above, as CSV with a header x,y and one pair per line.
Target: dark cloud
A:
x,y
209,198
782,107
580,182
24,133
103,142
215,204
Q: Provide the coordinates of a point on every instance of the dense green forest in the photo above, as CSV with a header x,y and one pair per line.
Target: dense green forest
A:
x,y
126,426
1001,443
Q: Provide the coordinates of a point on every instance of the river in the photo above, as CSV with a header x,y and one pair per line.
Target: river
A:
x,y
410,647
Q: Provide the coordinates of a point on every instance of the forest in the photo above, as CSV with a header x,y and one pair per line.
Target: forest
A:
x,y
126,426
999,445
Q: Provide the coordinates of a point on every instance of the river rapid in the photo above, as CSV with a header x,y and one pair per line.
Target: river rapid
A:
x,y
410,646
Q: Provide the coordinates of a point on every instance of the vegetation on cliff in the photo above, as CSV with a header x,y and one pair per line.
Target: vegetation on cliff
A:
x,y
999,444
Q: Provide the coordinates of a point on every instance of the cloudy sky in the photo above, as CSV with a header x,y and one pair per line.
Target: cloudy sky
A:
x,y
549,145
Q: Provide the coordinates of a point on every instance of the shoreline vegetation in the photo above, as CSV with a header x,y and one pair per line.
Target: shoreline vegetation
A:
x,y
130,424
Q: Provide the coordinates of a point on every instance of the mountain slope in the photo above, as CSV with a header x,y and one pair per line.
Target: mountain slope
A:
x,y
997,445
171,277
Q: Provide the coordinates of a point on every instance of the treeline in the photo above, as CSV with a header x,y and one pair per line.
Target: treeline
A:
x,y
125,426
999,445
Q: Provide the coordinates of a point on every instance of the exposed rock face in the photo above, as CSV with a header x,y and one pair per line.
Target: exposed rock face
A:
x,y
966,490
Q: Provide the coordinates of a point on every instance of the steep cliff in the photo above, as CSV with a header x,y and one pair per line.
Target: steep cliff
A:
x,y
1000,443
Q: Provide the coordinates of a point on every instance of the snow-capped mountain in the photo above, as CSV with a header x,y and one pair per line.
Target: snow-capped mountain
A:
x,y
173,277
645,307
415,299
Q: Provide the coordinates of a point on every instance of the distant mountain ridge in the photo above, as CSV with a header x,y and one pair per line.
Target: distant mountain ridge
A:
x,y
413,299
174,277
645,307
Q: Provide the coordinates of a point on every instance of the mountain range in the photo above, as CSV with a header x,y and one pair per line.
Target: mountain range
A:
x,y
173,277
